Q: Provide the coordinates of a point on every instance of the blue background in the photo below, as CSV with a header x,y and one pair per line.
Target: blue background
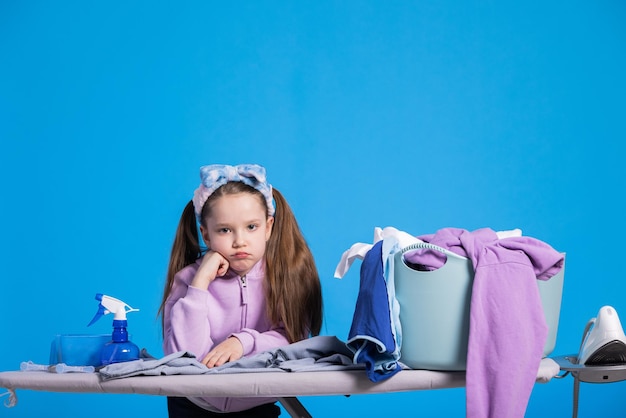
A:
x,y
418,115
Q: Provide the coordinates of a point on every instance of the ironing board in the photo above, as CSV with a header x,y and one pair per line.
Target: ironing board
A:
x,y
284,386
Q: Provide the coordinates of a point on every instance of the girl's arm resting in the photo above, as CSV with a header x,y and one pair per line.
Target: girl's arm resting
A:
x,y
186,325
254,342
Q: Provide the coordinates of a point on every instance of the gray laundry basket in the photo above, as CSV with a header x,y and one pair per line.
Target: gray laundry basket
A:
x,y
435,308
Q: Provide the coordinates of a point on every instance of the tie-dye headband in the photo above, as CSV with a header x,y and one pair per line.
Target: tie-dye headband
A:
x,y
216,175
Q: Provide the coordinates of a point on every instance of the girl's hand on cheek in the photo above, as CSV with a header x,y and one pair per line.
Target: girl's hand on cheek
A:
x,y
213,265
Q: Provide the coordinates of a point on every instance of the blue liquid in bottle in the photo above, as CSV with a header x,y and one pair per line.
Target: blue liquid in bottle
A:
x,y
119,349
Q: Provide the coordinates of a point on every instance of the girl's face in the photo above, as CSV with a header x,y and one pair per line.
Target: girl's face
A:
x,y
238,229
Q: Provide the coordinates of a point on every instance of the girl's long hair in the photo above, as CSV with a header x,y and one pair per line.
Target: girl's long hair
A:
x,y
292,287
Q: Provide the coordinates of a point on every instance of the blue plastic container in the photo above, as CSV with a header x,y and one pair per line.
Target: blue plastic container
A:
x,y
78,349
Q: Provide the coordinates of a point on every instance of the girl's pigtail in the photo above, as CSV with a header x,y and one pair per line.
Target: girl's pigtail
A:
x,y
185,250
293,288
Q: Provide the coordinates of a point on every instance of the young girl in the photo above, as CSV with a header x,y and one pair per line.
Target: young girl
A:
x,y
255,288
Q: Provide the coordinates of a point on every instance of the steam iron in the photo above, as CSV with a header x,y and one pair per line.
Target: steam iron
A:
x,y
604,342
602,354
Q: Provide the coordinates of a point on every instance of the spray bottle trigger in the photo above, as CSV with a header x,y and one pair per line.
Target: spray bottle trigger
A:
x,y
101,311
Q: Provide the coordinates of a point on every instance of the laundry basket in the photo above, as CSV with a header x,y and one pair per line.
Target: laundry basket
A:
x,y
435,310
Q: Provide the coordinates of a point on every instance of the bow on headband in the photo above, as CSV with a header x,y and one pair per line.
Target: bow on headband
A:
x,y
216,175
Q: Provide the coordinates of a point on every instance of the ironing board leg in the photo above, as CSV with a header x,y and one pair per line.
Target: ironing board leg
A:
x,y
575,397
293,406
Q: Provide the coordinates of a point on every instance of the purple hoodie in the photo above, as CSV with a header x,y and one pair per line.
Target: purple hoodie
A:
x,y
198,319
507,326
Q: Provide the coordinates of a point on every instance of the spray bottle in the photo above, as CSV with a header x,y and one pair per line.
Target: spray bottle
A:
x,y
119,349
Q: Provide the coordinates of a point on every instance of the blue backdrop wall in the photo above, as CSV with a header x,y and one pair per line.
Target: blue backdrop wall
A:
x,y
417,115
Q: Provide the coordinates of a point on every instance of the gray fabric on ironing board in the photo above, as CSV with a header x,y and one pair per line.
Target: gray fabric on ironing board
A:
x,y
312,354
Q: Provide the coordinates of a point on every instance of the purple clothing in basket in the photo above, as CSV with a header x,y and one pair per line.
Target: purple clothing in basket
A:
x,y
508,330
